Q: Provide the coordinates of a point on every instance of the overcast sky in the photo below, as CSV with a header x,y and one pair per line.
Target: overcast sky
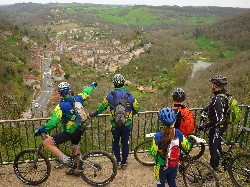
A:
x,y
221,3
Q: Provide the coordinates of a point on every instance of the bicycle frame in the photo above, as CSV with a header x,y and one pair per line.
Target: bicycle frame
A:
x,y
225,156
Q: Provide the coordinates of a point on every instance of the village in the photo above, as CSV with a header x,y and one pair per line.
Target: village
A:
x,y
100,56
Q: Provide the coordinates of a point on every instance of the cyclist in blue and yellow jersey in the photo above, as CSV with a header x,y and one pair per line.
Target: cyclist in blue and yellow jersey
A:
x,y
122,132
166,145
64,113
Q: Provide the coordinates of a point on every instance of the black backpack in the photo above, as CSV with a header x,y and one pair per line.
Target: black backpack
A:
x,y
120,117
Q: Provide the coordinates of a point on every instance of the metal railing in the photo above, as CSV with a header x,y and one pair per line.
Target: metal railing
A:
x,y
16,135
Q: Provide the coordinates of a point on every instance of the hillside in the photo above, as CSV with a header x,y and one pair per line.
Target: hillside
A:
x,y
15,52
175,33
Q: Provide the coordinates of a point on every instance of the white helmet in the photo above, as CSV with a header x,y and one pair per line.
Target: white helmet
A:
x,y
64,87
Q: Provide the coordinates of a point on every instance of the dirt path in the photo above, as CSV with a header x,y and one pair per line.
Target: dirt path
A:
x,y
136,175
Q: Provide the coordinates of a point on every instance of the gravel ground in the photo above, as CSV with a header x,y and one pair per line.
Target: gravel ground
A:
x,y
136,175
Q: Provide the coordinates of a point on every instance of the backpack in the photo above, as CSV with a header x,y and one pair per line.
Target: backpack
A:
x,y
120,117
233,114
79,112
187,123
172,156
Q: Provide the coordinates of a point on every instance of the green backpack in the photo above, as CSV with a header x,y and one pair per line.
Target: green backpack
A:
x,y
234,111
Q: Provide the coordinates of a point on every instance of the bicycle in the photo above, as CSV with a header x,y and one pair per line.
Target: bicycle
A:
x,y
33,167
194,172
141,153
236,164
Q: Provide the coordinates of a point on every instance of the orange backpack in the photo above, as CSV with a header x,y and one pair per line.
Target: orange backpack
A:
x,y
187,120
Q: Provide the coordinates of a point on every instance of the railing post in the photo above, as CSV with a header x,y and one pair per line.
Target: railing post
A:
x,y
244,123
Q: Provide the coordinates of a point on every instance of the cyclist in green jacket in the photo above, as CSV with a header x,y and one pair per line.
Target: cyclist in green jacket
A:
x,y
64,113
119,134
166,140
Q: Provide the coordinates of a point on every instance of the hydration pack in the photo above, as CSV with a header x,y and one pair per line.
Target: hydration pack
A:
x,y
233,114
120,116
187,123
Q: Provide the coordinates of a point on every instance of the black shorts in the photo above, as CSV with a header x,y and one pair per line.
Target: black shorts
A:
x,y
63,137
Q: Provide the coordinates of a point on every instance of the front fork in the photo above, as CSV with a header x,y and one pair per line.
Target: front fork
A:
x,y
36,156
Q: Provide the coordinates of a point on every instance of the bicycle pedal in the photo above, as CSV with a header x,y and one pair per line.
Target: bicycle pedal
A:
x,y
59,166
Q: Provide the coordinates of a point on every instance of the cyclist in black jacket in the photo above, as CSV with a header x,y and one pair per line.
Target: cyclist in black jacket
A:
x,y
216,112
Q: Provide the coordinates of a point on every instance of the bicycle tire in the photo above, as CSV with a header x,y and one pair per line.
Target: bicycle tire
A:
x,y
27,171
142,155
239,169
197,149
198,173
99,168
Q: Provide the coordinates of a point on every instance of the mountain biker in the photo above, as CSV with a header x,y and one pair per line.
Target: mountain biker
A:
x,y
184,117
216,112
64,114
160,147
122,133
178,96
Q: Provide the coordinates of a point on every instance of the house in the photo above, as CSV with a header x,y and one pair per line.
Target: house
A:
x,y
58,72
112,67
32,81
198,52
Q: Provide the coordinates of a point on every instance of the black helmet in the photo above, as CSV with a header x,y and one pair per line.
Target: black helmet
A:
x,y
219,80
178,95
118,80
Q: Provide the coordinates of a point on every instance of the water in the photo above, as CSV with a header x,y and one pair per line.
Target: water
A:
x,y
199,65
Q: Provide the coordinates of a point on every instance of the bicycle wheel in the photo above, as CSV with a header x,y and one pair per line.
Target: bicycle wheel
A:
x,y
30,172
142,155
198,173
197,149
239,170
99,168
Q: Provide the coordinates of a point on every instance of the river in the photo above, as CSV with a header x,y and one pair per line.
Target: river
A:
x,y
200,65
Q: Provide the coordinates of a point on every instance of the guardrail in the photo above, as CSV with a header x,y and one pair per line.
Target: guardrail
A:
x,y
16,135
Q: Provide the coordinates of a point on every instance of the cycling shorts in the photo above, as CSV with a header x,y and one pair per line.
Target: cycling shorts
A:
x,y
62,137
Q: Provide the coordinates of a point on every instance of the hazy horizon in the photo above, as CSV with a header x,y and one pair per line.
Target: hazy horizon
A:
x,y
221,3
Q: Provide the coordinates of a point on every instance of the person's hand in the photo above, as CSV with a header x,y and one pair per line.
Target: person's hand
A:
x,y
37,132
91,114
94,84
201,127
201,111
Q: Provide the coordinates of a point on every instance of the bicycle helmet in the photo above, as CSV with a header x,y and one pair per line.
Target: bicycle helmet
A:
x,y
118,80
64,87
219,80
167,116
178,95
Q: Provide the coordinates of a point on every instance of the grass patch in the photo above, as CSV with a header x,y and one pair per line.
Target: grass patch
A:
x,y
127,15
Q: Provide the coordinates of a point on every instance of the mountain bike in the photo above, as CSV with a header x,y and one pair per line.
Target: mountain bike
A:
x,y
236,164
194,172
141,153
33,167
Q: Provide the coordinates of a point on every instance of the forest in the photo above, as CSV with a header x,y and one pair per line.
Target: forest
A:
x,y
176,33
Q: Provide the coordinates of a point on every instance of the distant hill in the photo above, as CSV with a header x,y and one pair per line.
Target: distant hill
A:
x,y
32,14
175,34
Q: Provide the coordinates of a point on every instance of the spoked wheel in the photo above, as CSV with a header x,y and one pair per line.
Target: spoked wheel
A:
x,y
239,170
197,149
99,168
198,173
32,170
142,155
